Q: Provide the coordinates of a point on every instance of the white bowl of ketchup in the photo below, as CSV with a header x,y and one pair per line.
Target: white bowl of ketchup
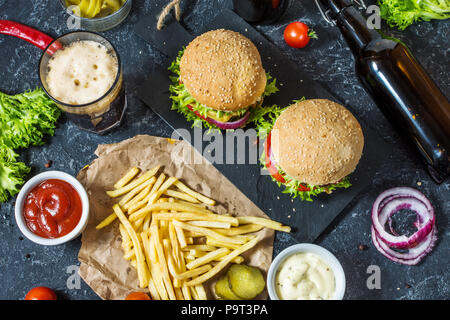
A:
x,y
52,208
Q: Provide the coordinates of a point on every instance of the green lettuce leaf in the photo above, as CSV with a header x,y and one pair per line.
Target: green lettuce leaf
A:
x,y
25,119
403,13
12,176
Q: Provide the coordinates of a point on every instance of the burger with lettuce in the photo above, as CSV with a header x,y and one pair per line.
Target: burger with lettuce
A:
x,y
219,81
312,147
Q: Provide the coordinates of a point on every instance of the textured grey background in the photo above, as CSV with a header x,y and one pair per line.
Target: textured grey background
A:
x,y
24,264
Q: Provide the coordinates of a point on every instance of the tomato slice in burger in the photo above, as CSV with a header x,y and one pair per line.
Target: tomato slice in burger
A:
x,y
269,165
273,170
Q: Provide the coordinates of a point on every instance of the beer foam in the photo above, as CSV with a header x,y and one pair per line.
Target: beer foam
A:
x,y
81,72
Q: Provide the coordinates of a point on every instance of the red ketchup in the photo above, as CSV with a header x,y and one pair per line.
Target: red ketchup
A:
x,y
52,209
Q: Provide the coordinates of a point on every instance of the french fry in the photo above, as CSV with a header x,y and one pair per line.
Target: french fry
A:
x,y
238,259
166,185
180,236
205,218
174,244
140,204
207,232
217,243
178,257
201,293
140,260
211,224
139,211
180,185
107,221
210,256
155,270
135,183
137,194
159,282
146,223
186,292
126,178
154,294
181,195
194,293
192,256
201,247
234,231
162,262
222,264
171,264
152,289
264,222
192,273
179,294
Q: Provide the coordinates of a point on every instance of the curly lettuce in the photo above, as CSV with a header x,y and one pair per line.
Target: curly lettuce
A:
x,y
181,98
25,119
295,187
403,13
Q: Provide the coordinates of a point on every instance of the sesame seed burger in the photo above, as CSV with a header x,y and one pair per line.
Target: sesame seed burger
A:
x,y
312,148
219,80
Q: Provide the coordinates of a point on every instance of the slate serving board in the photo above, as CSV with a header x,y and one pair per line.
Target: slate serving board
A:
x,y
308,219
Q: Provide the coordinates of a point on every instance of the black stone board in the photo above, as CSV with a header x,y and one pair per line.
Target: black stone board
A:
x,y
308,219
168,39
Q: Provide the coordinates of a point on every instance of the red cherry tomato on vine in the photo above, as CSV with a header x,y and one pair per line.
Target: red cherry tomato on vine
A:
x,y
137,296
41,293
297,34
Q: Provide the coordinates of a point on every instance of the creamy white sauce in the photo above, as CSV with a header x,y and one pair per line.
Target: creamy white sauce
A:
x,y
305,276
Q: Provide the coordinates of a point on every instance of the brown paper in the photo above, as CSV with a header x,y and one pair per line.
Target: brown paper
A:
x,y
102,264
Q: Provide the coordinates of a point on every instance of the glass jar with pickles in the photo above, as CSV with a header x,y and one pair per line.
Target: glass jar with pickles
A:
x,y
97,15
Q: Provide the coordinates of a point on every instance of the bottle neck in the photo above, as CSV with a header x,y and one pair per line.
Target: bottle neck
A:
x,y
354,28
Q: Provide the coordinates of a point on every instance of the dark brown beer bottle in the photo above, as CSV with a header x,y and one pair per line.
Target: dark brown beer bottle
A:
x,y
400,87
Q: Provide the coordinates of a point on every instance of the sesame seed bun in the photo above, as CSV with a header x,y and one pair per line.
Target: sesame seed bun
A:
x,y
222,69
317,141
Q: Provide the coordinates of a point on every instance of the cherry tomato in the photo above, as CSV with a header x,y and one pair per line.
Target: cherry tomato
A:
x,y
137,296
41,293
297,34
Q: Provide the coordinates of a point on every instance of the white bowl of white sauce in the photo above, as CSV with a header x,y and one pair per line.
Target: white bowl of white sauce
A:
x,y
306,271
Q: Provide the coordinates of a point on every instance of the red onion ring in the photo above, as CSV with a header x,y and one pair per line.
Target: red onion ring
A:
x,y
413,256
224,125
418,244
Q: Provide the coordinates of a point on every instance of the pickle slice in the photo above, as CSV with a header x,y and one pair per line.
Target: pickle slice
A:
x,y
245,281
223,290
113,4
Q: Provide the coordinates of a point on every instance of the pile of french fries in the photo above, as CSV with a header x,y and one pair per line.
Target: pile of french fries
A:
x,y
171,237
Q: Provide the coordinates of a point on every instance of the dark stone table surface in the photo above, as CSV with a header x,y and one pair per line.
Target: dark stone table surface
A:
x,y
328,60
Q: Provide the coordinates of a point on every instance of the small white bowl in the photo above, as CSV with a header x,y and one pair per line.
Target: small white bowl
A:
x,y
326,255
33,182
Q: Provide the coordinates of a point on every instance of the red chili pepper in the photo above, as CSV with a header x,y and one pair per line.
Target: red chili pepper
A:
x,y
33,36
